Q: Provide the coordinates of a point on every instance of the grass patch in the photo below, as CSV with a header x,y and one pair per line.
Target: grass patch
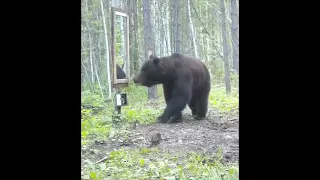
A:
x,y
150,164
144,163
224,103
97,120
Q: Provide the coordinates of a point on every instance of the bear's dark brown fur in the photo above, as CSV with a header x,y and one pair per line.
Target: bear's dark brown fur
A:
x,y
185,80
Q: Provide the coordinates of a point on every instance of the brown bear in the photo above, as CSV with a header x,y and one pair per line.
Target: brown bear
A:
x,y
185,80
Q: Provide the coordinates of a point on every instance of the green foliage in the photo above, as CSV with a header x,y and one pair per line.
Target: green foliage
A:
x,y
92,98
145,163
234,78
141,115
97,114
149,164
97,118
220,100
98,124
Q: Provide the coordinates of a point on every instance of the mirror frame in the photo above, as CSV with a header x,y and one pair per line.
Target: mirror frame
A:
x,y
117,83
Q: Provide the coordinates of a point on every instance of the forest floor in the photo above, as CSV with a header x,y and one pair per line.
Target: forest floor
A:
x,y
206,137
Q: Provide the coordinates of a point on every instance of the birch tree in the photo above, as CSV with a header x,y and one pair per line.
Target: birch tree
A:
x,y
235,34
202,30
193,36
107,50
135,31
167,24
176,25
225,48
148,41
90,43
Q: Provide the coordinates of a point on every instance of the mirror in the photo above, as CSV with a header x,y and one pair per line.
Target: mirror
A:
x,y
120,52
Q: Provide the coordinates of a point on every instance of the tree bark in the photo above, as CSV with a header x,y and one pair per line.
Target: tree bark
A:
x,y
161,29
149,43
107,50
135,54
235,34
207,39
98,79
168,32
90,45
225,48
176,25
193,36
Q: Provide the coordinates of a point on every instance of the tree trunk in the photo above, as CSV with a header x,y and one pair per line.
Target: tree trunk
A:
x,y
129,8
167,24
87,76
107,50
170,24
193,36
154,26
208,38
161,29
98,79
235,34
176,25
201,47
90,45
149,43
135,53
140,33
225,48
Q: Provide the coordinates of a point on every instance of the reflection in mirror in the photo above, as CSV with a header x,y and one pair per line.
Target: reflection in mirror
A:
x,y
121,45
120,73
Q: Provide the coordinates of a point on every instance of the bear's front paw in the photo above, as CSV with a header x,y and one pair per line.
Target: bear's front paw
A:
x,y
175,119
198,118
160,119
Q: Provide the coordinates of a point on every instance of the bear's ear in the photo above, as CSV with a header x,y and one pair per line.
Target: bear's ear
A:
x,y
154,58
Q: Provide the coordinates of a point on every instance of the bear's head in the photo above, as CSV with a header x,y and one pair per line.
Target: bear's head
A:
x,y
154,71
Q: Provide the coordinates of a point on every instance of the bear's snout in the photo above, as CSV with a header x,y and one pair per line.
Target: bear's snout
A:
x,y
135,80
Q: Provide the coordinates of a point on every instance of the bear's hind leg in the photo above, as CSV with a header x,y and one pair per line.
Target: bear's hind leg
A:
x,y
192,106
202,106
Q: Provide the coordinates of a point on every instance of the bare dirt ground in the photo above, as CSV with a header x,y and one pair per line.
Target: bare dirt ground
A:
x,y
205,136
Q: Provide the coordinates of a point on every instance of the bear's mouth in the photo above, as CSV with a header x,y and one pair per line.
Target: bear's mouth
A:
x,y
151,83
147,84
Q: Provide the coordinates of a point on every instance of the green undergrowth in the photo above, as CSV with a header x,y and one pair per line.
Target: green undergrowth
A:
x,y
97,122
224,103
97,113
151,164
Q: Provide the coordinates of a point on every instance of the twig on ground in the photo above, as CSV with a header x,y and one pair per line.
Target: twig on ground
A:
x,y
102,160
233,119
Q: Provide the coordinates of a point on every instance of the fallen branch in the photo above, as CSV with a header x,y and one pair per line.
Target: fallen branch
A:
x,y
102,160
233,119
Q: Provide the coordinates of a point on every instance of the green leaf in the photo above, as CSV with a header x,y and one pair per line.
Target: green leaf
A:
x,y
84,134
232,171
141,162
93,175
